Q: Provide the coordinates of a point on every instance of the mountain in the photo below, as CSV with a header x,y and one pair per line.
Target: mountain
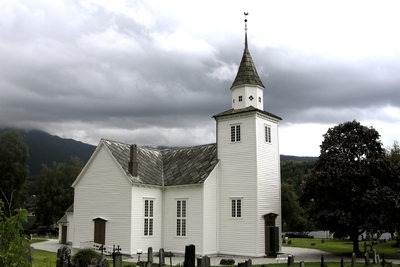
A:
x,y
47,149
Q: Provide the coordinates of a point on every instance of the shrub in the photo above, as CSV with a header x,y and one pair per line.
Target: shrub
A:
x,y
84,257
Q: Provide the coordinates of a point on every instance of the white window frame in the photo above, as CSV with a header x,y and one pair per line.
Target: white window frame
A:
x,y
236,207
236,133
268,134
181,218
148,217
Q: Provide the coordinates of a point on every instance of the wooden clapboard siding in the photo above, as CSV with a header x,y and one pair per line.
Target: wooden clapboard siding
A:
x,y
194,208
268,166
70,227
102,190
138,240
210,207
237,178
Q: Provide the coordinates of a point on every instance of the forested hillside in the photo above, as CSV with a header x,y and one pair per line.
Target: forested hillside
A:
x,y
47,149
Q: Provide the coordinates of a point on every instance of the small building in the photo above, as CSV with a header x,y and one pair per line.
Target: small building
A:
x,y
223,197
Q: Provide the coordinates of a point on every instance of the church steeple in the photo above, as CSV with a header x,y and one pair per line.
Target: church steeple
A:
x,y
247,73
247,88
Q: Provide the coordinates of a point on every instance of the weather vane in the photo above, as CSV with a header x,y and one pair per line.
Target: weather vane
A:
x,y
245,20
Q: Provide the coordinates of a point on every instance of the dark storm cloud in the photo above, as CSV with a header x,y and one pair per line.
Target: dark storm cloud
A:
x,y
134,73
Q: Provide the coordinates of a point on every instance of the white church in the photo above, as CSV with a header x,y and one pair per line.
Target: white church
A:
x,y
225,197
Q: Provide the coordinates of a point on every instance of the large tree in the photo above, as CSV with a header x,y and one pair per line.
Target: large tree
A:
x,y
13,170
351,188
56,193
292,214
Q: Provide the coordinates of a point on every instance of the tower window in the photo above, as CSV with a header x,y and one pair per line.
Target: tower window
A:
x,y
240,98
267,133
236,207
235,133
259,99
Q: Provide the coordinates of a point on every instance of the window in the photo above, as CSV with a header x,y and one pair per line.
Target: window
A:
x,y
148,217
236,208
240,98
259,99
267,133
235,133
181,217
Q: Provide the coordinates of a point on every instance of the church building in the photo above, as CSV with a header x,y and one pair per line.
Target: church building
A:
x,y
225,197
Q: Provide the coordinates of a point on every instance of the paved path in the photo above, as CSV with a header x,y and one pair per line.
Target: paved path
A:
x,y
300,254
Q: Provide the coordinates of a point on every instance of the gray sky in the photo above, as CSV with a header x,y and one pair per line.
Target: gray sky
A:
x,y
155,72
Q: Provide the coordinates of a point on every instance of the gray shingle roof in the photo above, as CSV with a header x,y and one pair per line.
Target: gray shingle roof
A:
x,y
233,111
171,167
247,73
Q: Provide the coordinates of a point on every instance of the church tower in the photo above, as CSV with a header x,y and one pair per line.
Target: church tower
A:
x,y
249,194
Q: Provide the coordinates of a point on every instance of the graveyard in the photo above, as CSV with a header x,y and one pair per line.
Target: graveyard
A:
x,y
379,254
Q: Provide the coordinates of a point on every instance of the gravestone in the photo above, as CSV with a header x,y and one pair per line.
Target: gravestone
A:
x,y
302,264
117,256
63,257
366,257
374,257
205,261
149,257
29,253
190,256
353,260
290,260
247,263
161,259
322,261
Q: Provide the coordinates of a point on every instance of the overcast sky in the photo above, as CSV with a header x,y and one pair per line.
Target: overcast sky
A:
x,y
155,72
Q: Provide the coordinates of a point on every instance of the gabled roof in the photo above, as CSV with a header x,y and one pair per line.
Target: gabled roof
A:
x,y
233,111
247,73
171,167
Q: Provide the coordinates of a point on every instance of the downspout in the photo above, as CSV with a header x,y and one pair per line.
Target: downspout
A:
x,y
162,202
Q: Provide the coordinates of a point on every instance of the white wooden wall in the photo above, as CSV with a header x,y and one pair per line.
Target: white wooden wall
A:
x,y
237,178
194,197
138,240
103,191
269,179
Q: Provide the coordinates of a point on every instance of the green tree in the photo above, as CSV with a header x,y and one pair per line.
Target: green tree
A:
x,y
292,214
14,246
351,188
393,154
13,170
56,193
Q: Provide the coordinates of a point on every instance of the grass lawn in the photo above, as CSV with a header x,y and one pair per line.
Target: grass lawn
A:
x,y
344,248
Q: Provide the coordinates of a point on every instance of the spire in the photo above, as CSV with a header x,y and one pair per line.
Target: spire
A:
x,y
247,73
